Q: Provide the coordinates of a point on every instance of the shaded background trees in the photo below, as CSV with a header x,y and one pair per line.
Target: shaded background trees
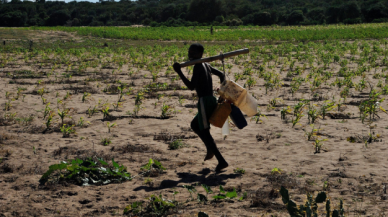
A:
x,y
191,13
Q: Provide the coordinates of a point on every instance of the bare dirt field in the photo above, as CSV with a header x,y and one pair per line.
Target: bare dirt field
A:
x,y
77,75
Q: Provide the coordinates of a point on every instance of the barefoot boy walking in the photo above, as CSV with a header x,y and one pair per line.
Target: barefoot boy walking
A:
x,y
203,85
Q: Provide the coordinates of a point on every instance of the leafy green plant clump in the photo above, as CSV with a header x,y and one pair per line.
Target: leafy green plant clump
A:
x,y
157,206
310,208
176,144
86,172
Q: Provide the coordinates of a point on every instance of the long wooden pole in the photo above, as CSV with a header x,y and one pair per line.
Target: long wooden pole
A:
x,y
214,58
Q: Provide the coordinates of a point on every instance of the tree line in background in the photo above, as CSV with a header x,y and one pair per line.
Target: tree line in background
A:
x,y
191,13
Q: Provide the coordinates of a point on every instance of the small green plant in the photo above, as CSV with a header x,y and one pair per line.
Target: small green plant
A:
x,y
47,111
106,141
312,133
223,194
239,171
7,105
49,120
327,106
318,145
311,206
41,92
284,112
257,117
117,105
25,120
152,164
312,114
296,119
91,112
109,125
166,110
67,130
105,112
85,97
63,114
276,170
67,96
191,189
250,82
157,205
176,144
181,100
149,182
82,123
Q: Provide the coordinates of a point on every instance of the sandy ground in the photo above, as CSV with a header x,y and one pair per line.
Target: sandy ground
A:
x,y
355,173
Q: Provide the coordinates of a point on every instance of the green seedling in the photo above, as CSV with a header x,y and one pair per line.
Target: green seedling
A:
x,y
117,105
176,144
239,171
318,144
191,189
166,110
106,141
41,92
63,114
109,125
326,107
7,105
152,164
25,120
7,95
105,112
284,112
313,114
49,119
223,194
82,123
312,133
276,170
67,130
91,112
257,117
181,100
296,119
67,96
250,82
85,97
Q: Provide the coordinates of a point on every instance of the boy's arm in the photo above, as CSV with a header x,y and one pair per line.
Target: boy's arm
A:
x,y
189,84
217,72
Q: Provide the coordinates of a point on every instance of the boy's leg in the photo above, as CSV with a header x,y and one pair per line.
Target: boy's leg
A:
x,y
197,130
210,145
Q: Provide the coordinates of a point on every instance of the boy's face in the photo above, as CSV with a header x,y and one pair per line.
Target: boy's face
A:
x,y
194,54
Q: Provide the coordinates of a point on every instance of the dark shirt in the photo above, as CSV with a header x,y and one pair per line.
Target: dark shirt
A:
x,y
202,79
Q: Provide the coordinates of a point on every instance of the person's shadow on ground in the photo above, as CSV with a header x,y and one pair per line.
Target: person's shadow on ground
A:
x,y
189,178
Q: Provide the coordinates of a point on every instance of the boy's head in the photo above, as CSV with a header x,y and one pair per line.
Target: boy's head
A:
x,y
196,51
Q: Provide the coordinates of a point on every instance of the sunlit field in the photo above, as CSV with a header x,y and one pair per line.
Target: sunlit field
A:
x,y
95,122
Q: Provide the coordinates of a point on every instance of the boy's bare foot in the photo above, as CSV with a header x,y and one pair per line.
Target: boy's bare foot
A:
x,y
209,155
221,166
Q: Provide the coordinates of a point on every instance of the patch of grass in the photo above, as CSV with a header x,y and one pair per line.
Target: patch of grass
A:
x,y
239,171
176,144
106,141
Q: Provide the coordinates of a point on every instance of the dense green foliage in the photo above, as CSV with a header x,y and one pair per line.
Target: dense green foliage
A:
x,y
86,172
308,33
191,13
